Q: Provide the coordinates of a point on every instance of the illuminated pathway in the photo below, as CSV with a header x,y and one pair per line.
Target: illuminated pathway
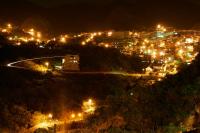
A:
x,y
13,65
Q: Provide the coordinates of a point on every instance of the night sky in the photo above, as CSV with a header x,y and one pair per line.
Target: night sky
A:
x,y
88,15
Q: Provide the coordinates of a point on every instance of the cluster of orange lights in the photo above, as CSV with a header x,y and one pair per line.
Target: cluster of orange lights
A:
x,y
47,120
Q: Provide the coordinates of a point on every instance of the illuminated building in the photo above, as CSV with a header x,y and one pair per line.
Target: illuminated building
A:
x,y
71,63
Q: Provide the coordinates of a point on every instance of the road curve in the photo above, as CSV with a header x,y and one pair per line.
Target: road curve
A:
x,y
13,65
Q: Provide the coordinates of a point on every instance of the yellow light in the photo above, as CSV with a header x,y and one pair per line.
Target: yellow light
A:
x,y
154,54
162,53
9,26
4,30
149,51
50,116
79,115
47,64
63,39
32,30
90,101
106,45
110,33
158,26
99,33
162,44
146,40
89,106
189,40
32,38
73,115
63,61
39,35
10,38
83,43
178,43
180,52
190,48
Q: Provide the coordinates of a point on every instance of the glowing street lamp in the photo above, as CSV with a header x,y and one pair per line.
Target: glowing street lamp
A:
x,y
79,115
83,43
110,33
73,115
39,35
99,33
158,26
50,116
9,26
63,39
47,64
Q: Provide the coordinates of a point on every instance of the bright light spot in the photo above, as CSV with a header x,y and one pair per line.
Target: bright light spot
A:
x,y
54,39
32,38
90,101
83,43
110,33
189,40
4,30
63,61
9,26
73,115
47,64
79,115
41,46
94,34
39,35
158,26
63,39
162,53
180,52
162,44
10,38
99,33
89,106
32,32
146,40
106,45
178,43
50,116
18,43
190,48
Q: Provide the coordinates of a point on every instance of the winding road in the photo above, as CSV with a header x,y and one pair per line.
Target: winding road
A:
x,y
14,65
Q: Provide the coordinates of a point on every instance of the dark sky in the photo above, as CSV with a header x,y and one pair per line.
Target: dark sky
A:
x,y
88,15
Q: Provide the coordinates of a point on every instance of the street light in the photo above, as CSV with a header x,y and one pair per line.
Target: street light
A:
x,y
47,64
50,116
9,26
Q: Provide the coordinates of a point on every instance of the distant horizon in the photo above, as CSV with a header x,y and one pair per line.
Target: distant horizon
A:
x,y
87,15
